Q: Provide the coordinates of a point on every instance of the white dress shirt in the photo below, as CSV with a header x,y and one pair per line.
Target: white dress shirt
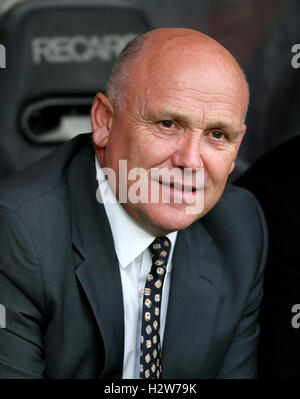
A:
x,y
131,243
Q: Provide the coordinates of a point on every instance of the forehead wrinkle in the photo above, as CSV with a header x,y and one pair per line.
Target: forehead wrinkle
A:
x,y
172,53
173,95
188,108
186,101
218,99
170,83
190,92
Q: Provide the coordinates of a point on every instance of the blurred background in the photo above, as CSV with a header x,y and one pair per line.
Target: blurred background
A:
x,y
59,54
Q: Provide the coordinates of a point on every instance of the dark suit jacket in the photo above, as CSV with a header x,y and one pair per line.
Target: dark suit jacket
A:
x,y
275,181
61,286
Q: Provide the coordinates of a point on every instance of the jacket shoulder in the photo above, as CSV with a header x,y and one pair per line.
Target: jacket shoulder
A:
x,y
238,218
240,201
45,175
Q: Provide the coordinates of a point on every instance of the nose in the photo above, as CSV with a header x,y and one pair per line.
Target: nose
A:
x,y
188,154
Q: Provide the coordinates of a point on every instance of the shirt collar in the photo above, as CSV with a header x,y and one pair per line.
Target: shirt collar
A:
x,y
130,239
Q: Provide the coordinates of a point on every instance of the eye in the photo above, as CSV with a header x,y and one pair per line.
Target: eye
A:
x,y
169,128
217,134
167,123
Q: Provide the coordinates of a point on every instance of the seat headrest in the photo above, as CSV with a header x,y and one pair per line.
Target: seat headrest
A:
x,y
59,53
63,45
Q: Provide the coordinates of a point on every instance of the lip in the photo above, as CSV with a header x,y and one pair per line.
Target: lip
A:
x,y
179,193
180,187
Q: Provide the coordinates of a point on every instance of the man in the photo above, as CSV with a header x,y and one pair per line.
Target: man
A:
x,y
274,180
83,299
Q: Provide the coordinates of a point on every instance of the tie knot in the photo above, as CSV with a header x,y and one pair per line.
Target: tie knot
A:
x,y
160,249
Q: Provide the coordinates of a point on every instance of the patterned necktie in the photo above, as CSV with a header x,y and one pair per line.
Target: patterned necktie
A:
x,y
150,354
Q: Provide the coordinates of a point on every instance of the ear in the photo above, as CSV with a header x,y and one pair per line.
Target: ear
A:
x,y
243,131
102,114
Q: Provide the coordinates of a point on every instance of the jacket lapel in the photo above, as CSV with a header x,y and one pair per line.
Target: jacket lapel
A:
x,y
98,273
193,300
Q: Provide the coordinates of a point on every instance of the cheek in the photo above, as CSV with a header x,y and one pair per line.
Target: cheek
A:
x,y
112,155
118,147
217,164
150,150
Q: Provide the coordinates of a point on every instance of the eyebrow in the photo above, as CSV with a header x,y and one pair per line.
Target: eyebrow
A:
x,y
215,124
170,115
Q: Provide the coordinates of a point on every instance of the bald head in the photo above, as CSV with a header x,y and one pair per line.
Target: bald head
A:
x,y
177,100
171,51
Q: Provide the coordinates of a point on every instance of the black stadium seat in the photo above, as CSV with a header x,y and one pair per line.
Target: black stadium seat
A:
x,y
6,165
59,53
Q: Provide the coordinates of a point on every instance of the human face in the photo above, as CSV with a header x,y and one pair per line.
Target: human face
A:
x,y
178,120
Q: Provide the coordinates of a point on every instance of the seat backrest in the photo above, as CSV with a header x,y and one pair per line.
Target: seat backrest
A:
x,y
6,165
59,53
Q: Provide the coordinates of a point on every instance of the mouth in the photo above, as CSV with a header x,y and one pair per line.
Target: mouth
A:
x,y
179,186
176,193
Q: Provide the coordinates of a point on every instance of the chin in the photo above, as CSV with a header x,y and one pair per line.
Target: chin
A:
x,y
164,220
